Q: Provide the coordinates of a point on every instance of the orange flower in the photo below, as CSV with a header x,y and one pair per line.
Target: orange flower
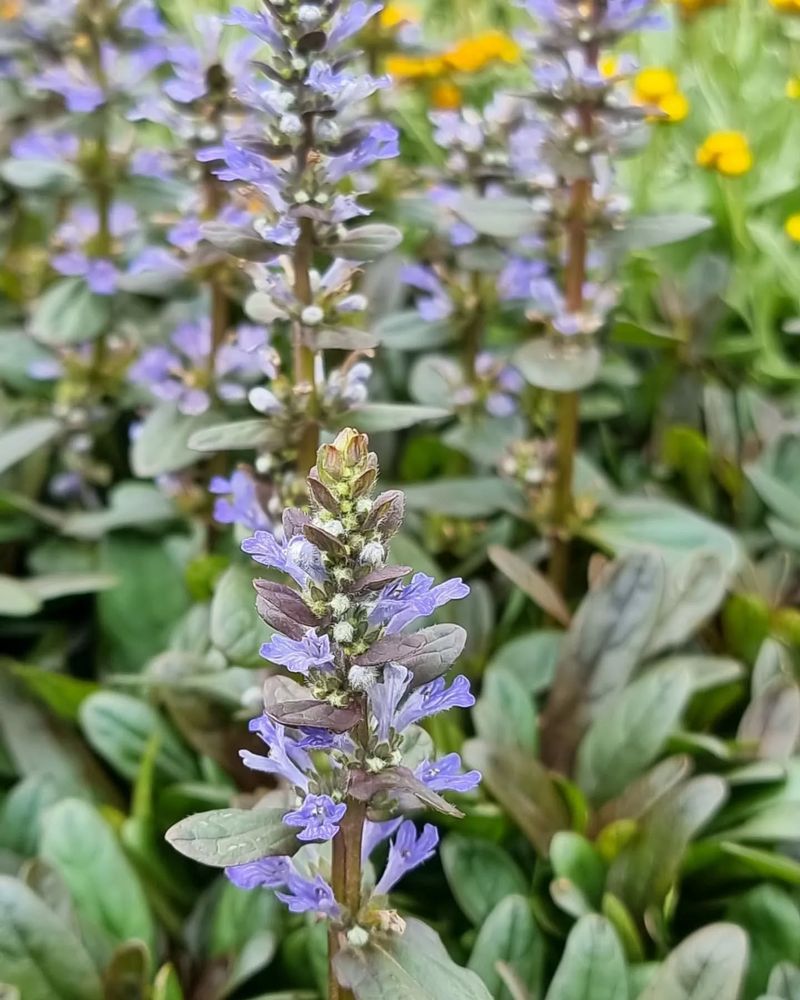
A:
x,y
446,96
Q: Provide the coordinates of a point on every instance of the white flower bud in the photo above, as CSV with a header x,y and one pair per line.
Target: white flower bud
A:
x,y
309,13
290,125
340,604
261,399
334,527
312,315
328,130
358,937
361,678
343,632
372,554
363,505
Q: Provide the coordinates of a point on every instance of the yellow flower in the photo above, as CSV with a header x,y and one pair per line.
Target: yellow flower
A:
x,y
793,88
414,67
792,227
445,96
658,87
395,14
10,9
786,6
690,8
608,66
473,54
726,152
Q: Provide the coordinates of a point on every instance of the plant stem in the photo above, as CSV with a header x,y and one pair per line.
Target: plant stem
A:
x,y
473,328
568,404
346,882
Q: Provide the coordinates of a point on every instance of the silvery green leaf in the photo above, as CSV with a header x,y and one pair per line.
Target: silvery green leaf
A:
x,y
531,582
644,231
413,965
367,242
16,600
784,981
510,935
236,629
408,331
39,175
225,837
480,874
236,435
162,444
240,241
39,952
376,418
559,366
708,965
427,653
348,338
504,713
592,966
480,496
84,849
531,658
131,504
628,734
771,722
502,218
68,312
21,440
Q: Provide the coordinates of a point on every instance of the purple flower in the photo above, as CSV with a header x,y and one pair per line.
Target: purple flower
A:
x,y
380,142
237,501
156,163
406,852
296,557
268,873
143,16
71,81
445,775
286,759
350,20
436,305
400,603
376,833
37,145
385,696
432,698
305,895
100,275
261,24
312,652
319,816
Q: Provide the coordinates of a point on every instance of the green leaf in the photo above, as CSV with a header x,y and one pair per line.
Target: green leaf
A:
x,y
119,728
62,693
408,331
21,812
238,435
627,524
478,497
531,582
128,973
162,443
627,736
375,418
772,921
592,966
784,981
236,627
367,242
480,873
503,218
504,713
550,364
16,600
574,858
409,966
131,505
765,864
22,440
39,953
531,658
138,615
31,174
224,837
509,934
707,965
106,890
70,313
167,986
644,231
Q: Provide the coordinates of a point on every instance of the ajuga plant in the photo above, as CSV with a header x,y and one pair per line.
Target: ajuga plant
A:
x,y
343,739
302,153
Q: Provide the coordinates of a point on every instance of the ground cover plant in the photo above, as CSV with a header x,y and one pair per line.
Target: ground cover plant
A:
x,y
399,500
